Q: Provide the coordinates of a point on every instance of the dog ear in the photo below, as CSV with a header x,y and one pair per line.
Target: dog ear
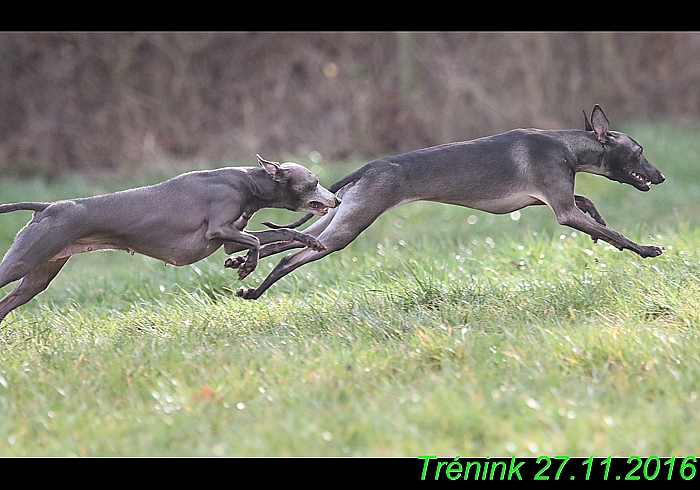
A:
x,y
600,124
586,122
273,169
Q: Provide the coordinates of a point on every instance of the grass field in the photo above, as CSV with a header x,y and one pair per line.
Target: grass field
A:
x,y
440,330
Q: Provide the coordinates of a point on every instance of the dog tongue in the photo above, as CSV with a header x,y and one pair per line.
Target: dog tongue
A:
x,y
318,206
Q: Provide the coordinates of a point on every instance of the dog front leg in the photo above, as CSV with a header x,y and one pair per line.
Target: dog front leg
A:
x,y
265,251
269,238
587,206
575,218
247,264
230,234
266,237
285,235
272,244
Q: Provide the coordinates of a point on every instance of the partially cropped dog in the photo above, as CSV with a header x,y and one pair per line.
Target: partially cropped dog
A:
x,y
179,221
498,174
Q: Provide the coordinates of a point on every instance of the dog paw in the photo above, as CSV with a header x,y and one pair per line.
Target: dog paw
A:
x,y
234,263
246,293
316,245
249,264
244,270
651,251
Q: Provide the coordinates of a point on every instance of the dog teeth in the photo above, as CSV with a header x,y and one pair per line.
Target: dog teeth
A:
x,y
318,207
639,177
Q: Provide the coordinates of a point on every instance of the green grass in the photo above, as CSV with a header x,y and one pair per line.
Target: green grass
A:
x,y
432,333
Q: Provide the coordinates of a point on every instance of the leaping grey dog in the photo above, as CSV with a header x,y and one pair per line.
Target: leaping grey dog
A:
x,y
179,221
498,174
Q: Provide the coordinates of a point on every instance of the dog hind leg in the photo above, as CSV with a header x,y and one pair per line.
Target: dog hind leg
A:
x,y
271,247
337,232
31,285
35,244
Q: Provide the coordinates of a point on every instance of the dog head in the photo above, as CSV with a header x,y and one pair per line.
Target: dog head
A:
x,y
623,160
300,187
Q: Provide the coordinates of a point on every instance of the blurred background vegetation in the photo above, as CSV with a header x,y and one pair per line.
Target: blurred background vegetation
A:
x,y
127,102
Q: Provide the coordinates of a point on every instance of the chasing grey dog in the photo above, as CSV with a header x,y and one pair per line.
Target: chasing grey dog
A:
x,y
498,174
179,221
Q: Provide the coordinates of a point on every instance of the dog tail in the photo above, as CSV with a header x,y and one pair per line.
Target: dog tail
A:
x,y
350,178
296,224
22,206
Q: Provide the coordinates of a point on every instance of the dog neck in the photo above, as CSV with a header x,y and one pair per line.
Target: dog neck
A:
x,y
589,152
264,191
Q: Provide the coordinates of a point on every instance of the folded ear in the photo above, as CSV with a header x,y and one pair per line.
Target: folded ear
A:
x,y
586,123
272,168
600,124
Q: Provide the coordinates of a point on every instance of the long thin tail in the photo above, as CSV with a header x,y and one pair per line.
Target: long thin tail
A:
x,y
296,224
22,206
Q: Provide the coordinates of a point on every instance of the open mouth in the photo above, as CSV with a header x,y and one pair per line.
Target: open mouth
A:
x,y
640,179
319,208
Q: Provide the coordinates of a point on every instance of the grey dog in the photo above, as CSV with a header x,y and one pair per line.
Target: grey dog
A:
x,y
179,221
498,174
